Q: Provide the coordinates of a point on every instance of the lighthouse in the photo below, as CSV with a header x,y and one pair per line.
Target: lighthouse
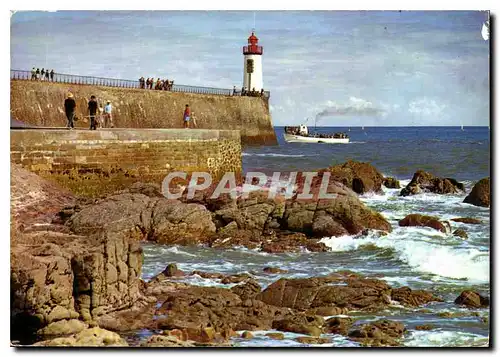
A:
x,y
252,65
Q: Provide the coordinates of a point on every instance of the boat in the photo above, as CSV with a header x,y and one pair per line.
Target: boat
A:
x,y
300,134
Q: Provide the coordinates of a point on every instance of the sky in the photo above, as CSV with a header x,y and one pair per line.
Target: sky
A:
x,y
340,68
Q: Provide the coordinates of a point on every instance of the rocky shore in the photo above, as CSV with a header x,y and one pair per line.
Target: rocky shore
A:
x,y
76,264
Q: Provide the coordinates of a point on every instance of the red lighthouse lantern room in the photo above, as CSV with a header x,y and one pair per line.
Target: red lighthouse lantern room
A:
x,y
253,48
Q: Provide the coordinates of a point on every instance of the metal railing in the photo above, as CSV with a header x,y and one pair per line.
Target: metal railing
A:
x,y
120,83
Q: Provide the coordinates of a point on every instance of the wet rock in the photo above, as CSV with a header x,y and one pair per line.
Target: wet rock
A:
x,y
308,340
166,341
343,214
409,297
426,327
275,335
361,177
379,333
426,182
460,233
467,220
248,290
92,337
391,182
273,270
236,278
247,335
480,194
337,290
472,299
304,324
338,325
327,311
419,220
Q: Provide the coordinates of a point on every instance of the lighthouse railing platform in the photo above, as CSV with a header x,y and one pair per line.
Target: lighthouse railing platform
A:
x,y
16,74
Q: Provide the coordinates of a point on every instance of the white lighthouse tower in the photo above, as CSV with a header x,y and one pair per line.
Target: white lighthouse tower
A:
x,y
252,65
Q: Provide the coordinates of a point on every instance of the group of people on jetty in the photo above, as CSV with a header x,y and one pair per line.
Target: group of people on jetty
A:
x,y
159,84
302,131
40,75
248,93
101,117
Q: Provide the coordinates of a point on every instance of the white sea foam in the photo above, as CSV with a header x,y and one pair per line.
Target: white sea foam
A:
x,y
414,247
441,338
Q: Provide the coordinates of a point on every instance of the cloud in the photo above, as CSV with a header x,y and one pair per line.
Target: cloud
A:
x,y
426,107
355,107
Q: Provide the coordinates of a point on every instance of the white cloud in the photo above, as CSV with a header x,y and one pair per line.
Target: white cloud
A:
x,y
426,107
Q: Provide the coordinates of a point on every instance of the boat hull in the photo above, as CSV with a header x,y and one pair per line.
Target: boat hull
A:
x,y
308,139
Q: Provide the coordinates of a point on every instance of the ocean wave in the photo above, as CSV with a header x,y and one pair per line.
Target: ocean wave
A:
x,y
439,338
424,256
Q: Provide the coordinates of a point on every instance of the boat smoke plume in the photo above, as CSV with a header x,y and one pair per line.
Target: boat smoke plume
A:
x,y
355,107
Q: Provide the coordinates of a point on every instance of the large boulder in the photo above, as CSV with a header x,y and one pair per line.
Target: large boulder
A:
x,y
143,217
480,194
419,220
391,182
423,181
472,299
341,215
361,177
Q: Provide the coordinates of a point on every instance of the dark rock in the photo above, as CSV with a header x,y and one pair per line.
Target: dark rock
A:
x,y
419,220
460,233
472,299
248,290
480,194
308,325
467,220
275,335
379,333
338,325
273,270
409,297
308,340
426,327
391,182
426,182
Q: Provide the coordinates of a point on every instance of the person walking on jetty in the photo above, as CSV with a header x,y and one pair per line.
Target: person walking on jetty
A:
x,y
108,119
52,75
93,112
42,74
47,75
37,73
69,108
187,115
193,120
33,73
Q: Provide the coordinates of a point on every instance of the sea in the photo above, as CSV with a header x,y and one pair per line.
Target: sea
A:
x,y
418,257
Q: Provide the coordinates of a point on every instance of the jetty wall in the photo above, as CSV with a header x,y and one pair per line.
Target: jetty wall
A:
x,y
93,163
41,103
